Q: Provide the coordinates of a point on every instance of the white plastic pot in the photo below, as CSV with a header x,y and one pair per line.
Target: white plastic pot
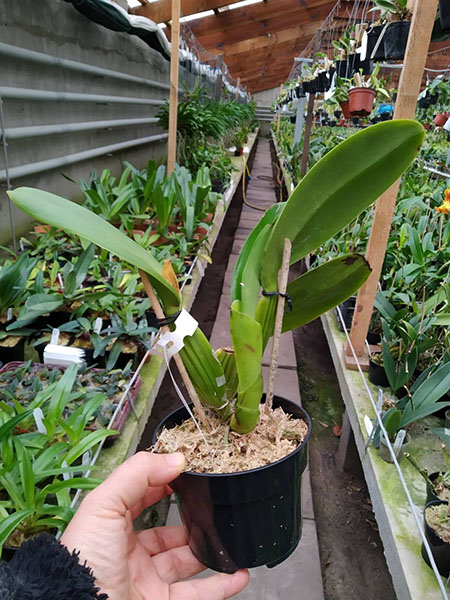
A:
x,y
447,125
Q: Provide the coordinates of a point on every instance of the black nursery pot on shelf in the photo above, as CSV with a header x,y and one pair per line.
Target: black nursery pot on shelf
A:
x,y
246,519
439,548
395,39
377,374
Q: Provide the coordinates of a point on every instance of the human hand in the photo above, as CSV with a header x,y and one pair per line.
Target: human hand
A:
x,y
145,565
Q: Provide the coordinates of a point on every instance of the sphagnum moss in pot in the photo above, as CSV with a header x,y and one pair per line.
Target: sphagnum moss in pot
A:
x,y
227,386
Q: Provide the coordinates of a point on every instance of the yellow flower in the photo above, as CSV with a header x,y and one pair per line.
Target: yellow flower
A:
x,y
445,206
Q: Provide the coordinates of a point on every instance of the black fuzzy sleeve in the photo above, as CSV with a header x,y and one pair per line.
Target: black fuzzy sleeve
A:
x,y
43,569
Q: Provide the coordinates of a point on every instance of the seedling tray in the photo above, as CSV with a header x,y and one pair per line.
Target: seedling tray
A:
x,y
119,421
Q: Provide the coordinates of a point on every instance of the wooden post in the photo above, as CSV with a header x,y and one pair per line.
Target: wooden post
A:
x,y
279,113
307,138
237,89
172,142
405,106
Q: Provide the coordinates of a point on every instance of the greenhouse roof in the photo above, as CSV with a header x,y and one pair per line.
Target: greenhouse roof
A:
x,y
258,38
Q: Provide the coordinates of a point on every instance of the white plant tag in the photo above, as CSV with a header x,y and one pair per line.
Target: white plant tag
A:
x,y
185,325
9,314
399,441
38,419
380,400
22,248
62,356
66,476
55,336
368,424
61,282
98,325
200,268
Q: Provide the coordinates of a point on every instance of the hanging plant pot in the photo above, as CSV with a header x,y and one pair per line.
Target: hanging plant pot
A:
x,y
444,14
372,39
377,374
440,119
341,68
439,548
384,450
345,109
245,519
361,101
395,40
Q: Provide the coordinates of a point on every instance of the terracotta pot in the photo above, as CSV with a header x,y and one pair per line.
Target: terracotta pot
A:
x,y
361,101
345,106
427,126
441,119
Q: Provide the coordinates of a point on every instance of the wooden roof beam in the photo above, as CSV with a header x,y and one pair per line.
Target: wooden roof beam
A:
x,y
269,40
162,10
313,10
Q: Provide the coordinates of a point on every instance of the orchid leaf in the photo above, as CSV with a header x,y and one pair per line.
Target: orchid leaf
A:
x,y
69,216
322,288
342,184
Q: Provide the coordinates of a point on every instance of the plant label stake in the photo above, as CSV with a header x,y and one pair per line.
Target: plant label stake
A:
x,y
38,416
55,337
181,368
61,282
98,325
399,441
278,322
9,314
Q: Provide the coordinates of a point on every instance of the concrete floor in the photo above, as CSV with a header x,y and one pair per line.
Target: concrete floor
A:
x,y
299,577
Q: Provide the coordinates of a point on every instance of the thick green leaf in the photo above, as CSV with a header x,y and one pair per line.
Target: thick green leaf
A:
x,y
246,336
318,290
425,398
71,217
342,184
270,216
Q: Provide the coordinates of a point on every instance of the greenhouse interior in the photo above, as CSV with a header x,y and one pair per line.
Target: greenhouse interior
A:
x,y
203,396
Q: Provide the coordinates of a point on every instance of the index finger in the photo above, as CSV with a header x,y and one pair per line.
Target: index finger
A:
x,y
128,486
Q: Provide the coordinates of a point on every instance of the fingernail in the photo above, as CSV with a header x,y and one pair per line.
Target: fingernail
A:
x,y
176,460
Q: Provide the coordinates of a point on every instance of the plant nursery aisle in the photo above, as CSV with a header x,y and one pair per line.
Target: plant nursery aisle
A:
x,y
301,571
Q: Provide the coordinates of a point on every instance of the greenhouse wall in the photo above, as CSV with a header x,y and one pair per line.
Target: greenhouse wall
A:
x,y
49,133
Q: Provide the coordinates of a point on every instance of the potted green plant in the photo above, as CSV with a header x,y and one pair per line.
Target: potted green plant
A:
x,y
397,20
437,532
424,398
230,383
364,91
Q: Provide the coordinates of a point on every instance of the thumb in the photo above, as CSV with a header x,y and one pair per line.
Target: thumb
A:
x,y
130,483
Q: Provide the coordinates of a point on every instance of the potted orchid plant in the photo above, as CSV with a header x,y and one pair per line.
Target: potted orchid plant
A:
x,y
246,445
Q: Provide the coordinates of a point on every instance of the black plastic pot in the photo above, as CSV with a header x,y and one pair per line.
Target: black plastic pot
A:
x,y
424,102
439,548
218,186
385,116
332,123
373,337
341,68
347,309
431,496
444,14
377,374
246,519
337,114
395,39
372,38
13,353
